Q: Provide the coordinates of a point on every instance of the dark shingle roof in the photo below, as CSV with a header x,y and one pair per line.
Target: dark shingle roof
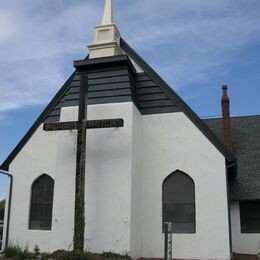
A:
x,y
246,142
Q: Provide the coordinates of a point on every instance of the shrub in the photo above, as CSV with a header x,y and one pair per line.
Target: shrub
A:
x,y
111,255
61,255
36,250
11,251
45,256
70,255
17,253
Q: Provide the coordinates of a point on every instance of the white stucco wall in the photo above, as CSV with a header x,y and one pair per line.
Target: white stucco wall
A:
x,y
136,195
170,142
242,243
108,180
108,183
37,157
113,183
64,193
125,171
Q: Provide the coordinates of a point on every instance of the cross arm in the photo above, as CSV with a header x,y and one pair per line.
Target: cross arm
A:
x,y
105,123
60,126
90,124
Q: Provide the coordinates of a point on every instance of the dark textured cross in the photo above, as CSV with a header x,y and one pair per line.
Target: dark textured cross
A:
x,y
81,125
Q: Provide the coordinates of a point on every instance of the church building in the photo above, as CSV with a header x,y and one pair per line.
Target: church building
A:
x,y
148,159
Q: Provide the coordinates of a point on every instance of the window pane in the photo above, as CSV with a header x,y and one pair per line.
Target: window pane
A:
x,y
179,202
36,212
41,204
47,220
178,188
179,213
183,228
250,216
48,195
38,193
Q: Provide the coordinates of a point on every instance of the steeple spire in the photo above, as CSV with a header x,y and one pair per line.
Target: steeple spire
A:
x,y
108,13
106,37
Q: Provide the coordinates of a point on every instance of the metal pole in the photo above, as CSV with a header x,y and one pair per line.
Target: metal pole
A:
x,y
168,241
9,204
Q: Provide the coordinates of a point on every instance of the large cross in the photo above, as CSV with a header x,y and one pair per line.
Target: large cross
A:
x,y
81,125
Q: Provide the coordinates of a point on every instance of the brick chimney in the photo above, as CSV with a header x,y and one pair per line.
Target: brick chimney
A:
x,y
226,122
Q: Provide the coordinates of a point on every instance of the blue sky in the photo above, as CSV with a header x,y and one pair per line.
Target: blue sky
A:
x,y
195,45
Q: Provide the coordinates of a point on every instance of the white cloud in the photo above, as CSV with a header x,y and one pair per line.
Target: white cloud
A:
x,y
193,38
38,57
184,40
7,28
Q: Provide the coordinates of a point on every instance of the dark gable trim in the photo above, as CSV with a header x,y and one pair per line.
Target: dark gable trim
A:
x,y
176,99
103,63
38,122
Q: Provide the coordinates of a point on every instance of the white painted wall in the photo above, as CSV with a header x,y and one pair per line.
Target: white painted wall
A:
x,y
108,183
113,183
170,142
37,157
125,170
108,180
242,243
64,194
136,201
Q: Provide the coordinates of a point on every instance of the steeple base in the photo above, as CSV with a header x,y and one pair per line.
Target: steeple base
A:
x,y
107,49
106,42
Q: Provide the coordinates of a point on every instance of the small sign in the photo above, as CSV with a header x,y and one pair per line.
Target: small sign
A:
x,y
168,241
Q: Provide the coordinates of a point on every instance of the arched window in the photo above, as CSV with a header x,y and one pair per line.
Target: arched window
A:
x,y
179,202
41,203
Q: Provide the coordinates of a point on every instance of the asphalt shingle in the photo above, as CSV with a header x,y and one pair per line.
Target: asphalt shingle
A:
x,y
246,143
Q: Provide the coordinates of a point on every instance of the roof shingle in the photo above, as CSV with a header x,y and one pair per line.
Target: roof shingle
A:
x,y
246,143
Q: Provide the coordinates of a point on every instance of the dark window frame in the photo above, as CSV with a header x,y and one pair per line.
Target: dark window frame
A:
x,y
193,203
33,204
243,218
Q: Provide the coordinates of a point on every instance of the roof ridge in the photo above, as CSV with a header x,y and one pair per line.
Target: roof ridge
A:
x,y
231,117
245,116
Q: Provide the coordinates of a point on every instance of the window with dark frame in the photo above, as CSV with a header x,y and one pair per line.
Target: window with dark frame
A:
x,y
41,203
250,216
179,202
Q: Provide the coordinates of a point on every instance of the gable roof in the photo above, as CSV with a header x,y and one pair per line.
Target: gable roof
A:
x,y
119,82
246,142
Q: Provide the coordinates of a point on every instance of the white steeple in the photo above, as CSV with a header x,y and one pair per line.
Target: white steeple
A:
x,y
106,37
108,13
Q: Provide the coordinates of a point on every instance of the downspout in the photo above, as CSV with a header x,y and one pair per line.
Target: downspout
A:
x,y
229,210
227,137
9,204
